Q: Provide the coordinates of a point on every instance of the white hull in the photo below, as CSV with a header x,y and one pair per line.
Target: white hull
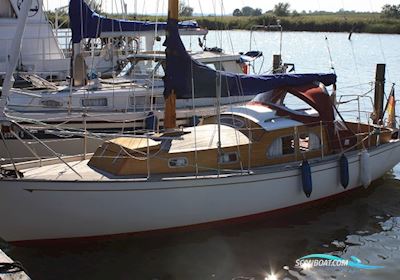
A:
x,y
37,210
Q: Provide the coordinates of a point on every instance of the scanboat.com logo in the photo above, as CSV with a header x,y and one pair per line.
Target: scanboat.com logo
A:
x,y
319,260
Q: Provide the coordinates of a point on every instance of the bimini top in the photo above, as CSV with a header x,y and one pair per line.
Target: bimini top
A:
x,y
182,71
85,23
269,109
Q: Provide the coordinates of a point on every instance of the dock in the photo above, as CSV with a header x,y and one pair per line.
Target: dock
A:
x,y
15,272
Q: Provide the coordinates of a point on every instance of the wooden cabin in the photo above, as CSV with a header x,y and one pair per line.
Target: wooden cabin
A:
x,y
260,133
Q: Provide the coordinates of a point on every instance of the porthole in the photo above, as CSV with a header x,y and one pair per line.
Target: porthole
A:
x,y
177,162
228,158
51,103
94,102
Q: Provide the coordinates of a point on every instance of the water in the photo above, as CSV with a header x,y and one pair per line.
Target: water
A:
x,y
364,223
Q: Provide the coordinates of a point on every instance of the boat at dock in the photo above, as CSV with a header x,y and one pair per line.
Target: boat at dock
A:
x,y
249,159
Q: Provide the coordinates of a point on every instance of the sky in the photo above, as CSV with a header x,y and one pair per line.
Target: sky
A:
x,y
207,7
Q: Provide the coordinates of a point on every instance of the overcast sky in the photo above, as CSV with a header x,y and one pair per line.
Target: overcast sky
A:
x,y
211,6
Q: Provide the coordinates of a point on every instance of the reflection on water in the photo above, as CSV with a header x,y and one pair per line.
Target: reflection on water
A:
x,y
380,248
364,223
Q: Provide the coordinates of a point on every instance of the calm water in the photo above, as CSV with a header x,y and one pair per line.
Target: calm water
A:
x,y
364,223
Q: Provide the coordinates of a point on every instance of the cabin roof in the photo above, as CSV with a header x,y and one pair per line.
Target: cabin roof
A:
x,y
263,116
205,137
134,143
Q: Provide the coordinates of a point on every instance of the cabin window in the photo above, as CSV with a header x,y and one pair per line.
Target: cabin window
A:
x,y
216,66
292,102
158,102
94,102
139,102
232,121
51,103
309,142
228,158
288,145
177,162
211,65
281,146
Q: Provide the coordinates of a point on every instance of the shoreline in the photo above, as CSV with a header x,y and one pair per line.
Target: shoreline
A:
x,y
372,23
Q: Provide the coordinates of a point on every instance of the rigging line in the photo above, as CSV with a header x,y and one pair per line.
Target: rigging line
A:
x,y
343,4
233,121
143,8
381,45
330,55
355,62
354,86
218,39
194,125
201,8
223,12
250,136
319,5
190,37
46,147
9,154
97,32
154,59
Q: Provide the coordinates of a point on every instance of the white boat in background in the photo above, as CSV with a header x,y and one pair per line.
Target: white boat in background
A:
x,y
250,159
45,52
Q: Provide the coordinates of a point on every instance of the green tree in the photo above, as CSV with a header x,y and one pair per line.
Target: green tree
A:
x,y
391,11
257,12
185,11
247,11
237,13
281,9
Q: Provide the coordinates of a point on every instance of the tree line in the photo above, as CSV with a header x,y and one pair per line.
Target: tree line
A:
x,y
282,9
387,21
391,11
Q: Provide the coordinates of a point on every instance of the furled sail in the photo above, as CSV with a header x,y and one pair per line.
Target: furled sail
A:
x,y
184,74
85,23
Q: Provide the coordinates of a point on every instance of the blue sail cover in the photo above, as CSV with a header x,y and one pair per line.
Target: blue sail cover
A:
x,y
85,23
182,71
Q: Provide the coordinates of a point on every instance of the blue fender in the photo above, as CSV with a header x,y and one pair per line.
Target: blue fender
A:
x,y
344,171
151,121
306,178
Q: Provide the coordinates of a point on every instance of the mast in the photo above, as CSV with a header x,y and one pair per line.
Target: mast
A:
x,y
170,101
14,51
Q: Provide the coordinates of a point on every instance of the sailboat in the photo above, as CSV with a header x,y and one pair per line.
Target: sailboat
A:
x,y
254,158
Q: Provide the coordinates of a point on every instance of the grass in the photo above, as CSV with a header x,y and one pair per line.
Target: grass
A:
x,y
326,22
